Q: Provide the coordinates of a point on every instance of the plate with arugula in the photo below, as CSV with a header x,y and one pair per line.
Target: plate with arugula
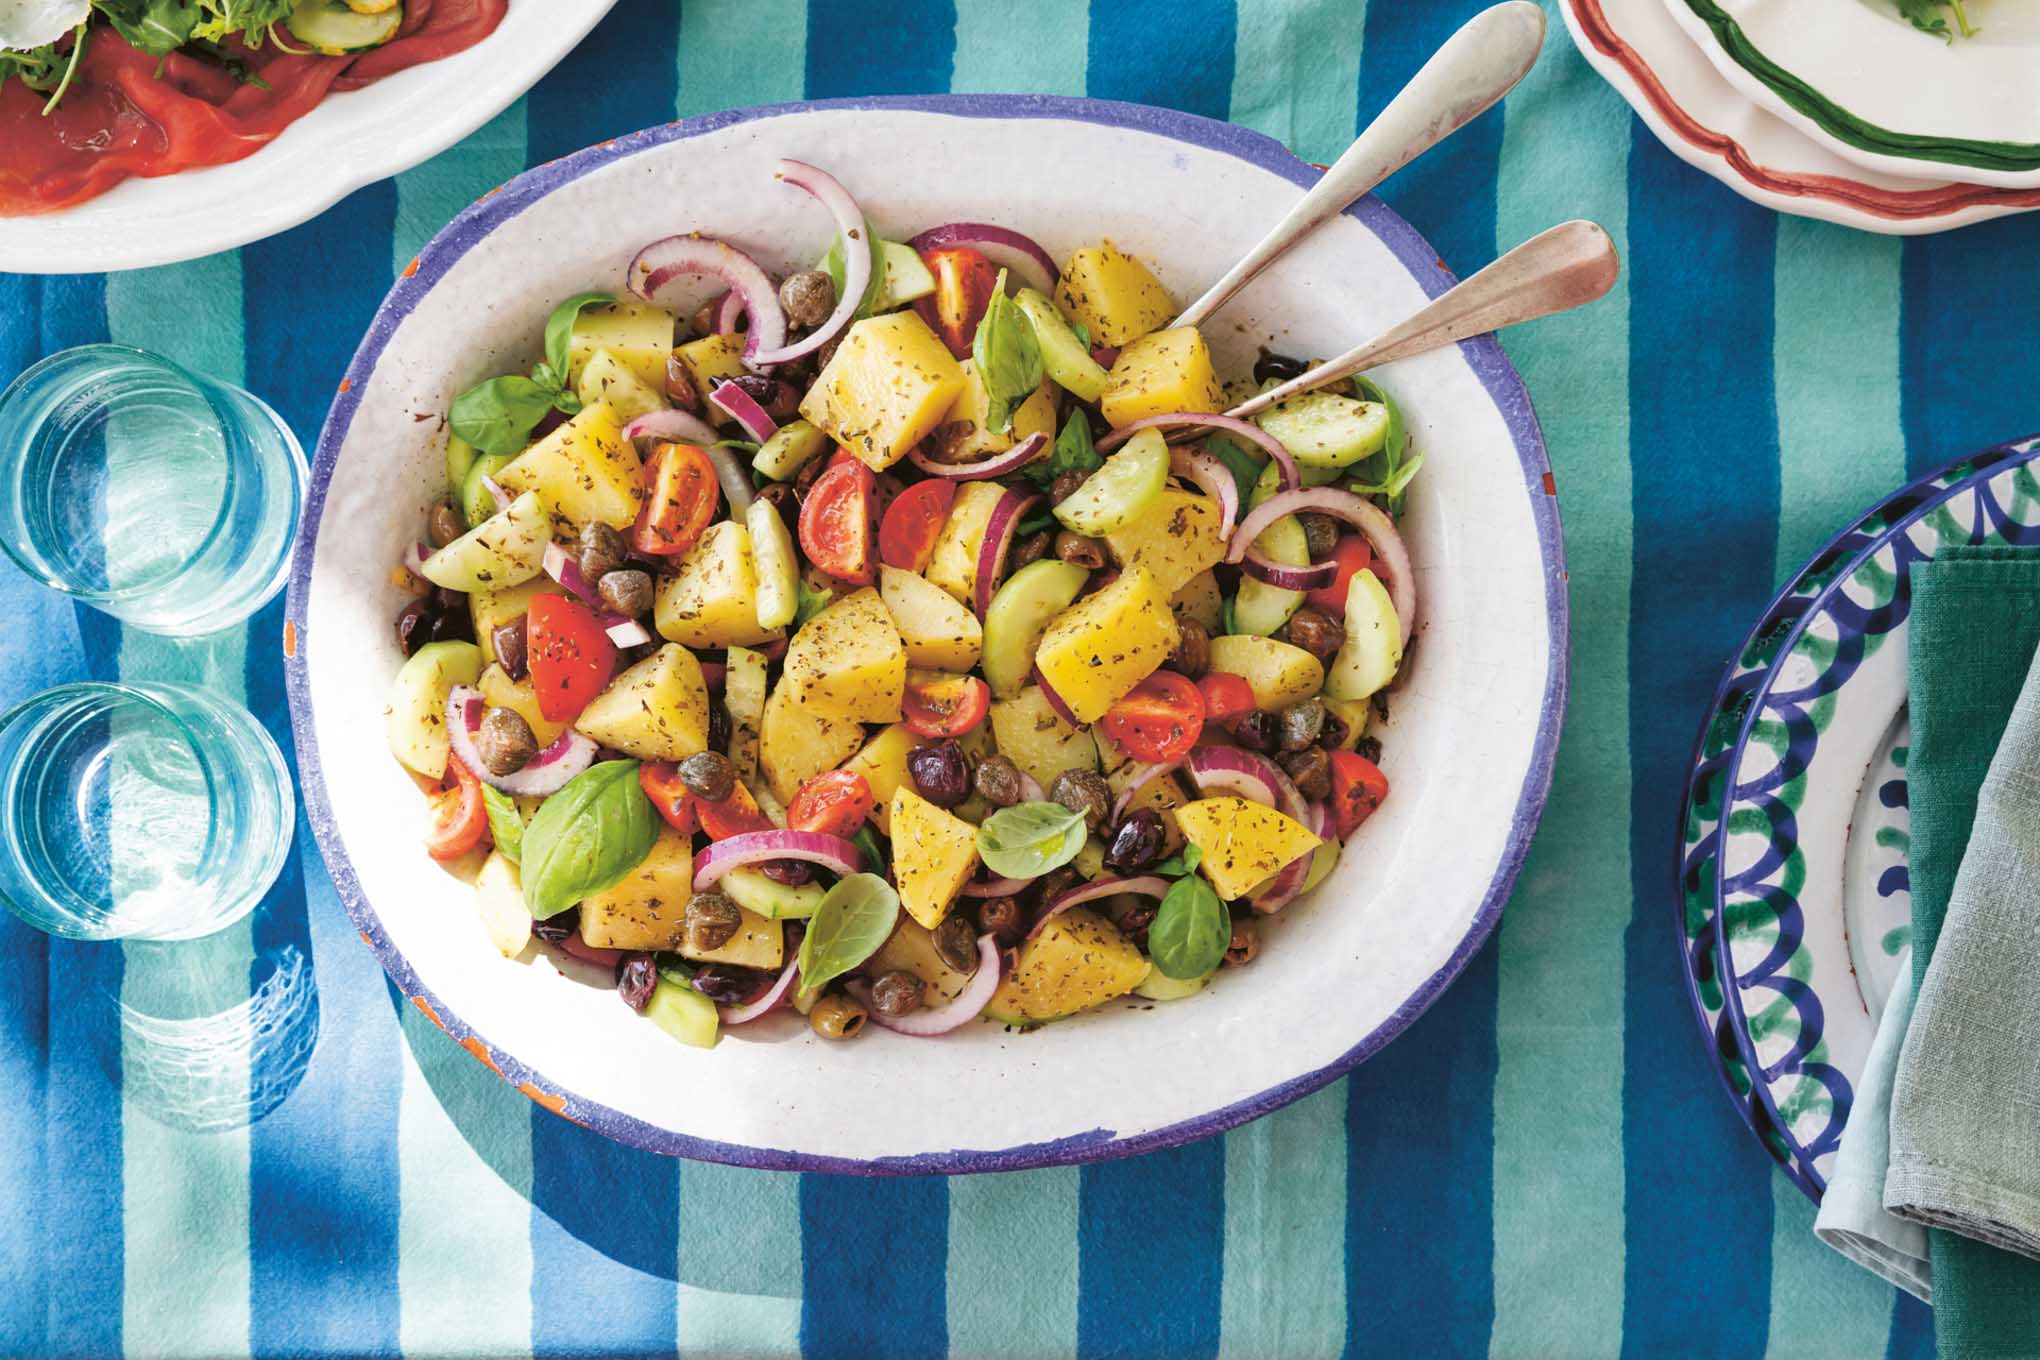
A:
x,y
736,708
1920,89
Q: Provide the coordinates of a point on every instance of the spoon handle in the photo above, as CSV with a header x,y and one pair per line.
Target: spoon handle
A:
x,y
1566,266
1467,76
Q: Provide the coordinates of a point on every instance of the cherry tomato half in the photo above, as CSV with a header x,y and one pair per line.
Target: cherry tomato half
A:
x,y
964,280
1358,786
733,816
912,523
680,497
1353,555
1160,719
660,779
836,523
948,706
1226,696
459,818
835,803
569,655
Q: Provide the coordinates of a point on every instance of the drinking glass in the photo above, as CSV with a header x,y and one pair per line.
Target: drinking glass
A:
x,y
163,498
138,811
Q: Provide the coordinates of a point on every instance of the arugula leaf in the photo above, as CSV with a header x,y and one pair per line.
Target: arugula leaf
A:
x,y
809,603
158,27
1073,452
559,333
1008,358
506,824
499,415
1191,930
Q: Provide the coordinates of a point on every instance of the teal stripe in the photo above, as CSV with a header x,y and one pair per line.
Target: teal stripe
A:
x,y
463,1198
1052,60
1283,1290
180,1186
1843,446
429,195
1558,1177
1822,1304
1013,1263
737,52
740,1260
1296,73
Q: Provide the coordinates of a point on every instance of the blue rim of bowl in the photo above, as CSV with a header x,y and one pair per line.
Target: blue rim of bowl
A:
x,y
1483,354
1985,466
1836,559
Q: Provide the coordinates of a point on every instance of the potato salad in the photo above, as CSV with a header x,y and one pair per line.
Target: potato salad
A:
x,y
910,639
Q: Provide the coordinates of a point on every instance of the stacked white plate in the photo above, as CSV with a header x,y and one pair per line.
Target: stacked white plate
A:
x,y
1835,109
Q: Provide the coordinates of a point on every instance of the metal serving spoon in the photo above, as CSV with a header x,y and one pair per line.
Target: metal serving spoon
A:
x,y
1462,80
1556,270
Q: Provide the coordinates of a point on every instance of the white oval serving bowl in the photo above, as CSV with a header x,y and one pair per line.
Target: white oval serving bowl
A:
x,y
1469,749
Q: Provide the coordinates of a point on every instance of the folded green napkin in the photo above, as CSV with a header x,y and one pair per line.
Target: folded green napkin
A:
x,y
1967,1096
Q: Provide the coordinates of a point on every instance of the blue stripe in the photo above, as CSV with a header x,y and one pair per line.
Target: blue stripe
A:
x,y
1969,323
1185,52
1420,1181
586,99
1449,193
323,1218
874,1261
605,1244
1705,495
1150,1254
1912,1329
907,47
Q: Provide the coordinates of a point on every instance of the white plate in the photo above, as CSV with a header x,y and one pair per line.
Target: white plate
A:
x,y
1469,750
1850,71
1705,121
349,140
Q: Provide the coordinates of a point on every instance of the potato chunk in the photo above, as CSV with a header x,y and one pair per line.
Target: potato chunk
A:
x,y
848,662
711,600
1076,962
1243,842
638,334
1279,673
647,909
607,378
1159,373
759,943
708,361
585,471
937,631
890,383
1175,540
954,563
934,854
795,742
1034,737
962,436
883,763
1114,294
656,710
1107,642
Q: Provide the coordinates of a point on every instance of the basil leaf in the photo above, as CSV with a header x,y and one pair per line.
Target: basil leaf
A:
x,y
1035,523
1184,861
809,602
586,837
1397,483
559,330
1393,475
498,416
1191,930
1226,626
1245,471
867,840
1008,358
506,824
853,920
832,265
1073,452
1029,839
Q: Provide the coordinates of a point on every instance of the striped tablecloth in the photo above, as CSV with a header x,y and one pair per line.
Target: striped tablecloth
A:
x,y
1542,1166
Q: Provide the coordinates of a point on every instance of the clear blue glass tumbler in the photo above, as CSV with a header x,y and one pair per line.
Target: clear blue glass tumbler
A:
x,y
163,498
138,811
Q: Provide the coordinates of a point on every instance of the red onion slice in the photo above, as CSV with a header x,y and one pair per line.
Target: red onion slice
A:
x,y
627,633
770,1001
1147,885
998,465
415,557
561,566
677,257
1001,245
1370,519
856,266
497,493
999,531
1055,702
1245,429
545,773
1284,887
744,409
1266,569
737,487
1031,790
1211,477
1143,775
581,949
673,425
831,852
1231,769
995,887
728,312
959,1009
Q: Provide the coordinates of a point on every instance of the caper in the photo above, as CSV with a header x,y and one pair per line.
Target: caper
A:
x,y
602,550
1084,791
711,921
1320,532
1310,770
998,781
627,591
1192,656
956,943
709,775
443,524
1315,632
836,1016
807,298
1000,916
897,993
505,741
1301,723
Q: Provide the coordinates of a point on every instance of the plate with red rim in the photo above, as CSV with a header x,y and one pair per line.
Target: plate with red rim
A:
x,y
1344,970
348,140
1640,49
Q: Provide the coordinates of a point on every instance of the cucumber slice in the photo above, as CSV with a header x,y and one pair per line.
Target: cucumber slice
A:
x,y
1367,660
460,456
476,501
1065,359
1159,986
1120,492
898,276
752,891
684,1013
789,448
415,715
1260,608
1017,617
369,6
335,28
1326,430
778,569
506,549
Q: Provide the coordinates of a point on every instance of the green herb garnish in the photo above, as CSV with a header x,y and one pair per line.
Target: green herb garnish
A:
x,y
1008,358
1191,930
586,837
853,920
498,415
1027,840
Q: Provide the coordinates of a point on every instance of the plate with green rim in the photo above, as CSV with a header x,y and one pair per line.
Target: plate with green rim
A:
x,y
1858,77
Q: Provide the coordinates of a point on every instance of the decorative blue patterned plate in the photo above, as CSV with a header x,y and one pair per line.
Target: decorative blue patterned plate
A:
x,y
1812,911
